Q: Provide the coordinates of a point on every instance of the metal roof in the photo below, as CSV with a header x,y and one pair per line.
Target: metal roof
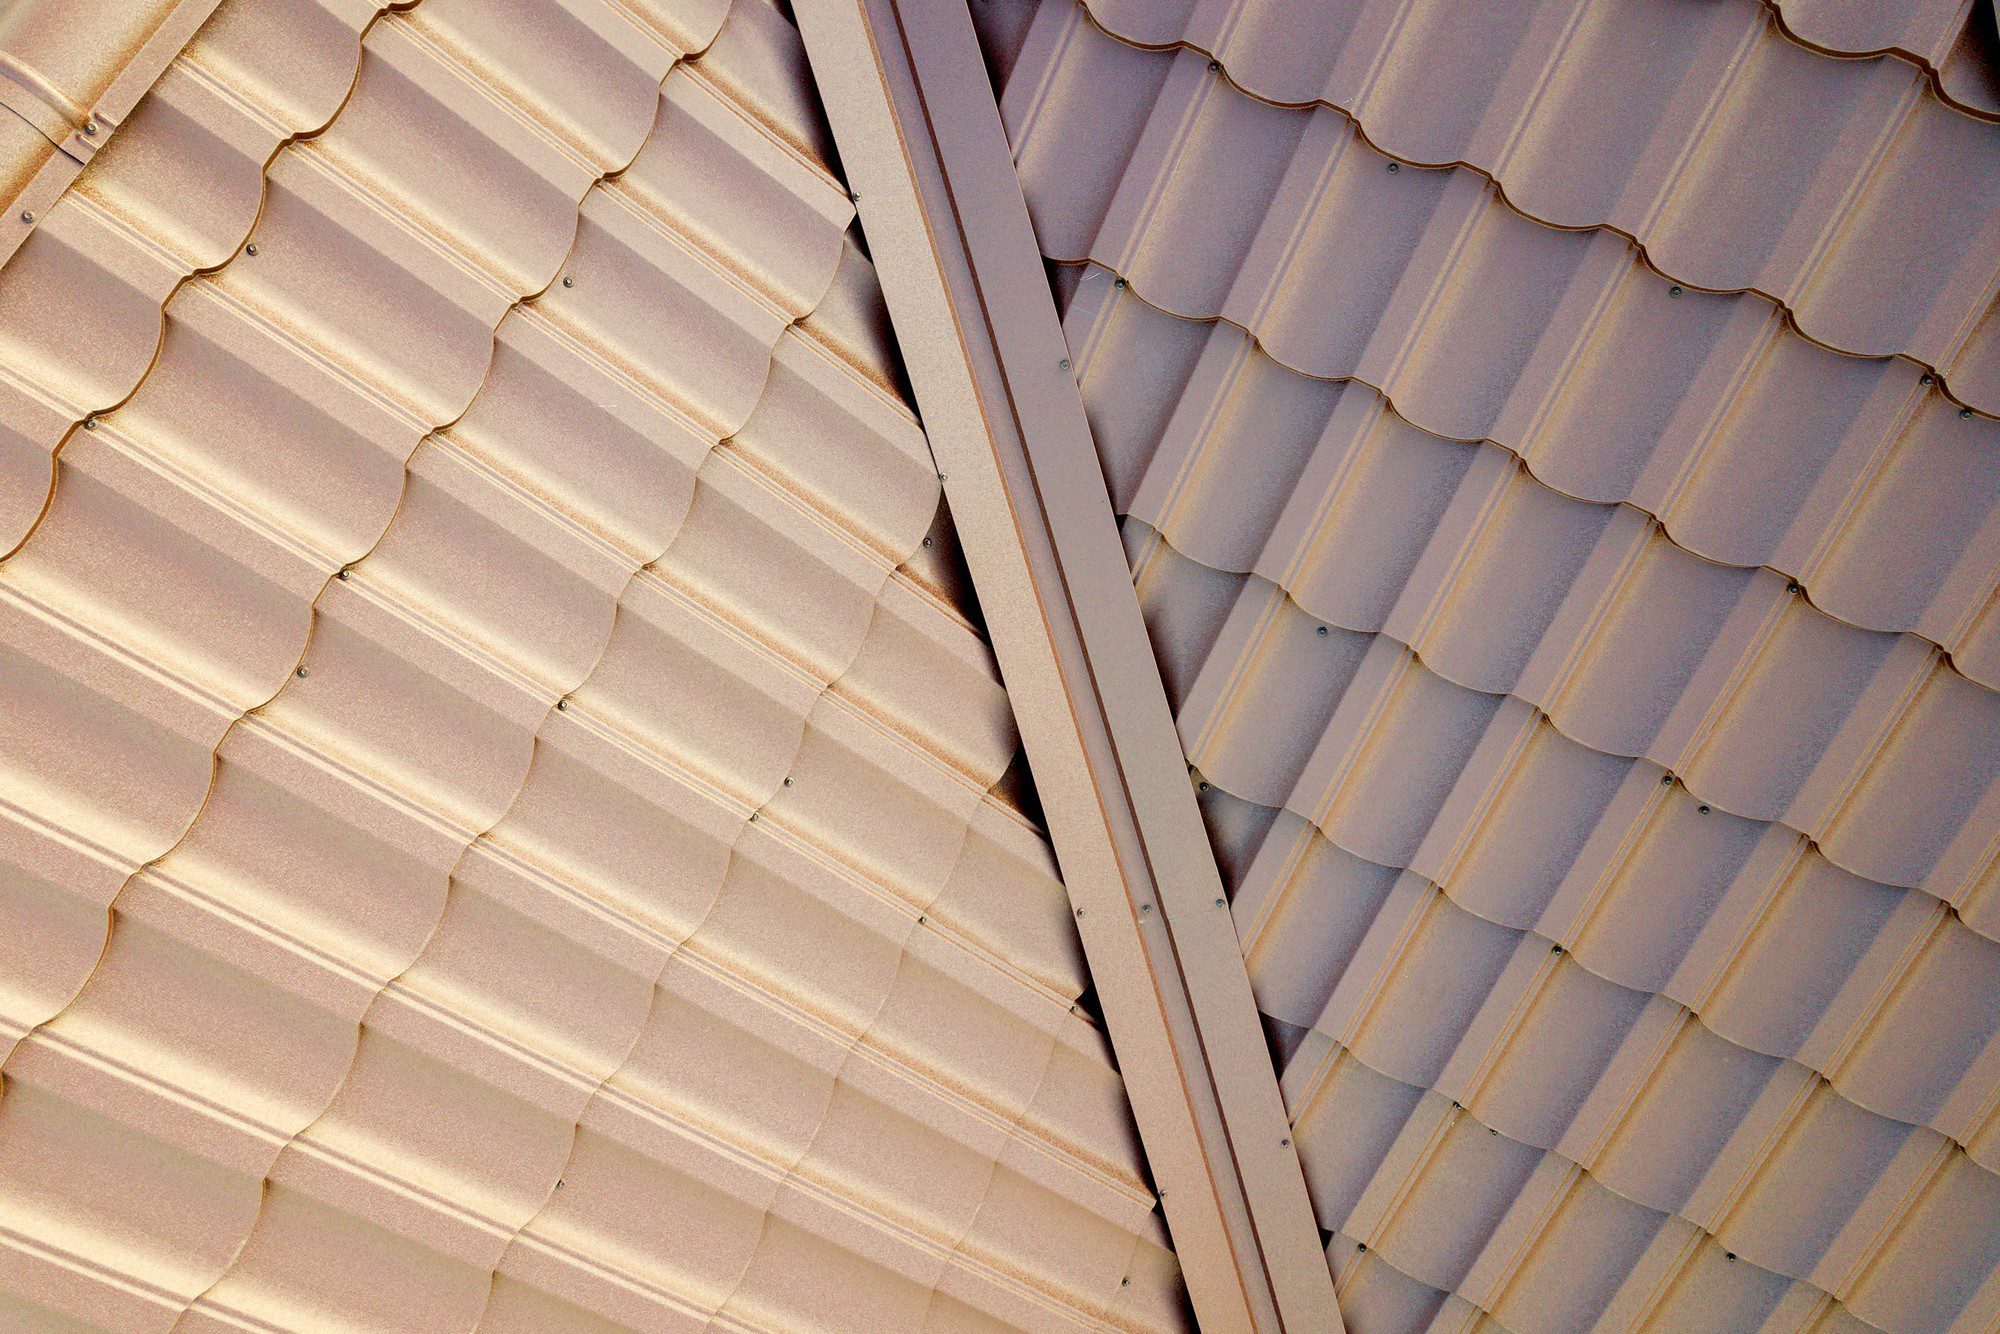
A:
x,y
504,796
1556,452
511,815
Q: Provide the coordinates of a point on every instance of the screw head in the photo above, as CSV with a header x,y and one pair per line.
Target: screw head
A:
x,y
788,780
301,672
562,706
1553,949
251,250
27,215
1145,907
1214,66
1203,785
568,281
1666,780
1222,903
1703,808
1361,1247
1322,632
343,574
1064,363
1079,912
1395,167
1118,283
1286,1142
1927,378
1675,290
90,127
944,477
927,541
921,919
90,423
1795,587
1965,412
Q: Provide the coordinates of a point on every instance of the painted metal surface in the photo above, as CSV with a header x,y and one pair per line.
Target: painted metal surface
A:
x,y
922,140
504,816
1558,459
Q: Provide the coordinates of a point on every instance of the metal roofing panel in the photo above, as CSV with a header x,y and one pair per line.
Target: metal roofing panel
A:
x,y
1553,450
504,803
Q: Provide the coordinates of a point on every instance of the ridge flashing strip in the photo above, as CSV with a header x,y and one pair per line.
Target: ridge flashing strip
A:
x,y
919,134
60,115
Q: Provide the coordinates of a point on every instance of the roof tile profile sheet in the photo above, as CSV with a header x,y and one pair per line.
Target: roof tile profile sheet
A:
x,y
502,819
1557,451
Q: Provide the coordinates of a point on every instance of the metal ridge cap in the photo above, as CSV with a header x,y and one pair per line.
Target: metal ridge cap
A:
x,y
919,132
78,122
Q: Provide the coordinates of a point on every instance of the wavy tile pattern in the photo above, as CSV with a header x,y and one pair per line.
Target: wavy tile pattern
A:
x,y
1590,679
501,796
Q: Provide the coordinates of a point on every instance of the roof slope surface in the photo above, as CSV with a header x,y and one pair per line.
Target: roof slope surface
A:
x,y
1558,455
500,794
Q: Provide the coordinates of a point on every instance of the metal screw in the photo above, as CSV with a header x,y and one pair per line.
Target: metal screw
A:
x,y
1285,1142
921,919
1729,1256
1124,1282
788,781
1965,412
342,574
1703,808
1675,290
1204,785
753,817
1491,1131
1079,912
1322,632
251,250
27,215
1666,780
1553,949
1214,65
562,706
1395,167
1145,907
568,281
944,477
1222,903
301,672
927,541
90,127
1927,378
1064,363
1795,587
1361,1247
559,1184
1118,283
90,423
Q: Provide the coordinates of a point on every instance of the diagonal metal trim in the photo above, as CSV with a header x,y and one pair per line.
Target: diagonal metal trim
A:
x,y
919,133
77,122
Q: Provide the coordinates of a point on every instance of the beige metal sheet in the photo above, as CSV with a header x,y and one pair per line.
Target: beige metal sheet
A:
x,y
1558,458
503,799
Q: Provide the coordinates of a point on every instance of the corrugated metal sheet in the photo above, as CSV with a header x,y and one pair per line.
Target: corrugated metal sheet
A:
x,y
503,806
1558,451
